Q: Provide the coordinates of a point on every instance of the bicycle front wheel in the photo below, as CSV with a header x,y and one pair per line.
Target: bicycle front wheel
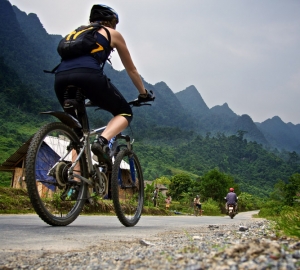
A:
x,y
127,187
57,199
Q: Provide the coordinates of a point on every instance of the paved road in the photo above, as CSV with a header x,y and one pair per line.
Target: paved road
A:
x,y
18,232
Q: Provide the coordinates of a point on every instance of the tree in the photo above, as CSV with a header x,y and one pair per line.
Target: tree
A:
x,y
163,181
241,133
248,202
292,189
215,185
180,183
278,193
148,193
293,158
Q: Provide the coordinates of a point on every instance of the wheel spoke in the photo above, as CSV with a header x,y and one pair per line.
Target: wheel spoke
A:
x,y
127,188
56,200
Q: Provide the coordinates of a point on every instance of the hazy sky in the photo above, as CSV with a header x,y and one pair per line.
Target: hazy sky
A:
x,y
243,52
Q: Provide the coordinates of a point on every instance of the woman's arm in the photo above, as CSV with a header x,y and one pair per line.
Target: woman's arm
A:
x,y
118,42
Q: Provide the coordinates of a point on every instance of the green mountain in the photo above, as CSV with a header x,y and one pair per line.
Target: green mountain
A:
x,y
21,49
192,102
280,134
178,133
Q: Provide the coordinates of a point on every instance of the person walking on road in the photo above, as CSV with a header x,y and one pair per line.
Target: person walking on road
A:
x,y
197,204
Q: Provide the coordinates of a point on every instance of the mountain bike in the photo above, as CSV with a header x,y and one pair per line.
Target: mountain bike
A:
x,y
62,175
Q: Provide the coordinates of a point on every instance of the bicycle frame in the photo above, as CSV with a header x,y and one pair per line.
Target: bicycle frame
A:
x,y
82,122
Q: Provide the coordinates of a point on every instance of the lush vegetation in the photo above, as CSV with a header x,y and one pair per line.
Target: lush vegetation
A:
x,y
19,117
248,164
283,206
212,188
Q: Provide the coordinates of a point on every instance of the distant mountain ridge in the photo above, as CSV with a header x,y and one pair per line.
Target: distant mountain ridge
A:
x,y
272,133
192,101
27,48
280,134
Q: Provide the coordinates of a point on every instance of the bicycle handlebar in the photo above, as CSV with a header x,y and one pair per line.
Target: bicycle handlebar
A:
x,y
137,103
134,103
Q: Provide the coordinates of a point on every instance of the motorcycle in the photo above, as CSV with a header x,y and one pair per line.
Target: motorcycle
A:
x,y
232,211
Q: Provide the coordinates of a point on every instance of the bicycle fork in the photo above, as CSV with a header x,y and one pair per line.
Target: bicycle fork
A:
x,y
132,174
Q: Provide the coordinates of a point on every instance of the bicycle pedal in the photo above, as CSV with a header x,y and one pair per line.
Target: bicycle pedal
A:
x,y
95,158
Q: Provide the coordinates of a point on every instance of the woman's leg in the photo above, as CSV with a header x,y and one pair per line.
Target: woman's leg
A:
x,y
110,99
114,127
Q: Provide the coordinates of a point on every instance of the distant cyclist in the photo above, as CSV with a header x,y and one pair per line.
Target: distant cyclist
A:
x,y
86,72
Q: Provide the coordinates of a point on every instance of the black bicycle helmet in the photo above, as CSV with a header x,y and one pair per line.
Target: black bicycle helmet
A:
x,y
103,13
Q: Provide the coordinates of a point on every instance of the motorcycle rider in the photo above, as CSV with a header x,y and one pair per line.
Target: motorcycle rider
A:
x,y
231,198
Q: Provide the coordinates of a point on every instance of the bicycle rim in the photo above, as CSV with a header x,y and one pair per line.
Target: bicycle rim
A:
x,y
55,199
127,188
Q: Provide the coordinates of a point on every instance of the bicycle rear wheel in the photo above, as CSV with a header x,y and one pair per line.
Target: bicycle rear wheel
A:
x,y
55,198
127,187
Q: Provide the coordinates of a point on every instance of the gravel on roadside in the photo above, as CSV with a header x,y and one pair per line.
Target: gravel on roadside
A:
x,y
252,245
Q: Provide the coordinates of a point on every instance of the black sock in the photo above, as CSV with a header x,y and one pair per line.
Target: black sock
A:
x,y
103,140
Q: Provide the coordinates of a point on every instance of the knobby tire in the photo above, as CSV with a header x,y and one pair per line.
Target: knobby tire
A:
x,y
54,203
128,197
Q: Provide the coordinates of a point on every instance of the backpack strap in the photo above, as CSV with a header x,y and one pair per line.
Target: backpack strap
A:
x,y
109,40
108,34
52,71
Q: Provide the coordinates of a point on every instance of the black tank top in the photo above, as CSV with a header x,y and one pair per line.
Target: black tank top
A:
x,y
88,61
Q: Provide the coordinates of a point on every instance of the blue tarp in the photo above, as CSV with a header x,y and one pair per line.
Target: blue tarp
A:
x,y
45,160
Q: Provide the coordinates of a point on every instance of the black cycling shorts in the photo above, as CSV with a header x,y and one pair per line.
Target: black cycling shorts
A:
x,y
96,87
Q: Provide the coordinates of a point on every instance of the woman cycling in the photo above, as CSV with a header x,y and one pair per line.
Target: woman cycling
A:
x,y
86,72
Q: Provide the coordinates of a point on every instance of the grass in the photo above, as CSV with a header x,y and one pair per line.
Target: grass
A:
x,y
16,201
289,222
287,219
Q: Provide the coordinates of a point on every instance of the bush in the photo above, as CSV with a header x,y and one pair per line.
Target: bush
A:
x,y
270,209
5,179
211,208
289,220
286,217
179,207
248,202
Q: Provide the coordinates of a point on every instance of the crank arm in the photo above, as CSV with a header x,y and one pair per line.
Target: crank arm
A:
x,y
89,182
